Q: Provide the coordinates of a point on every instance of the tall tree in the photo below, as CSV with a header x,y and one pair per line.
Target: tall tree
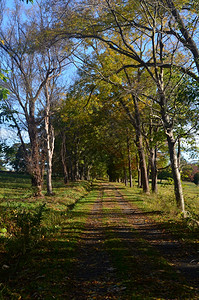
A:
x,y
142,36
30,75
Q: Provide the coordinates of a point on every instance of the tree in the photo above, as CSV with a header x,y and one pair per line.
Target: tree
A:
x,y
150,50
101,68
93,135
3,91
30,75
183,26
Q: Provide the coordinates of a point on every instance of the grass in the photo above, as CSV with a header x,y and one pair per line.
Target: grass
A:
x,y
51,241
164,201
48,267
25,220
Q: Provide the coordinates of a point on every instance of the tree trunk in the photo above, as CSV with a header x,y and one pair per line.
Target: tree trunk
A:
x,y
129,160
42,163
179,154
153,161
125,177
140,147
175,172
63,158
76,169
50,140
136,122
168,126
139,173
143,168
188,40
50,150
34,166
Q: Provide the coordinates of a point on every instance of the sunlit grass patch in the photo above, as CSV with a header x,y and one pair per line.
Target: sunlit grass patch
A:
x,y
164,201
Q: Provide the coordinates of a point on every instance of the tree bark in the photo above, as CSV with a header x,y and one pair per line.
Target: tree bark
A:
x,y
153,161
63,158
139,174
187,39
125,176
34,166
143,167
176,173
50,150
179,154
129,160
50,141
168,126
140,147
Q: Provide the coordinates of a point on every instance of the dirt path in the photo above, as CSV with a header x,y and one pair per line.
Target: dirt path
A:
x,y
94,276
123,255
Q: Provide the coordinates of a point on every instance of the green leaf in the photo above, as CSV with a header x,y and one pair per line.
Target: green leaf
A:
x,y
3,93
3,230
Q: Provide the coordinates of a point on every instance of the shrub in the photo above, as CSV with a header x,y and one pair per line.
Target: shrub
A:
x,y
24,228
196,178
165,174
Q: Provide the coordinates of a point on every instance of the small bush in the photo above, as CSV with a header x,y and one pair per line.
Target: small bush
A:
x,y
196,178
24,228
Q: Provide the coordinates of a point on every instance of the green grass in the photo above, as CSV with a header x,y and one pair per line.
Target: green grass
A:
x,y
21,224
164,201
50,248
16,188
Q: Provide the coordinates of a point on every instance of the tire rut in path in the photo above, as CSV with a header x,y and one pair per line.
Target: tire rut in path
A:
x,y
94,276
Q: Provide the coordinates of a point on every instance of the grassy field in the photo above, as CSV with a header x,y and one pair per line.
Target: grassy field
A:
x,y
165,199
24,220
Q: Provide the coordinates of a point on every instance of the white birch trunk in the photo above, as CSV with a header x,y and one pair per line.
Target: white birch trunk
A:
x,y
176,173
50,141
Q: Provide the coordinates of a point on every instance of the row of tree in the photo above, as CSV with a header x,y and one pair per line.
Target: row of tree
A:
x,y
135,97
